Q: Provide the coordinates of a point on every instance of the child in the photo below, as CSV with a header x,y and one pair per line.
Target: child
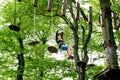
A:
x,y
62,45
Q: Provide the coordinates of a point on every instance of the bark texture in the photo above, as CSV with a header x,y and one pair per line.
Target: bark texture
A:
x,y
108,35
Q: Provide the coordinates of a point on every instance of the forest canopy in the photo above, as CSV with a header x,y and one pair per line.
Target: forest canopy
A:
x,y
28,28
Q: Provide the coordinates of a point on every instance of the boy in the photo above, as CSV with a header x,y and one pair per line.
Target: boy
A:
x,y
62,45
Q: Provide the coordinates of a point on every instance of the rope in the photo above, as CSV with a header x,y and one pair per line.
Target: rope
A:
x,y
34,20
52,20
15,12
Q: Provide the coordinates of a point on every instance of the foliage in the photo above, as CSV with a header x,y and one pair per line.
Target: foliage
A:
x,y
46,23
91,72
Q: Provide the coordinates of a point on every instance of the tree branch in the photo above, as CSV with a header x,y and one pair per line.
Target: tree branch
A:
x,y
66,20
83,14
86,43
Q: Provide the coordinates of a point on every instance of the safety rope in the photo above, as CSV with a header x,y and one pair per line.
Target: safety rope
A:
x,y
15,12
34,20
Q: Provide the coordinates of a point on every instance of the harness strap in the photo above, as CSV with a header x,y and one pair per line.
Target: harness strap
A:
x,y
60,44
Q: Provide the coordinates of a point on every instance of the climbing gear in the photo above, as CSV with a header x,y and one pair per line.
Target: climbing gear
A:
x,y
35,42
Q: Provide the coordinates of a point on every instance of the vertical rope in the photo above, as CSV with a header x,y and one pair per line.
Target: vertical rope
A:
x,y
15,12
34,20
52,20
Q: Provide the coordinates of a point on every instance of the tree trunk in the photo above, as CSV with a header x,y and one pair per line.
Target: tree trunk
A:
x,y
79,65
108,35
44,40
21,62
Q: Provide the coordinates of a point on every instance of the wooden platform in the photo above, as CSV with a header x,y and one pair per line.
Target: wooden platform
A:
x,y
108,74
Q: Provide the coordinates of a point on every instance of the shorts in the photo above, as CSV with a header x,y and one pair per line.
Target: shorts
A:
x,y
64,47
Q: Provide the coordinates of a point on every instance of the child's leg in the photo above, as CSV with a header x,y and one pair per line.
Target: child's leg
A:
x,y
70,51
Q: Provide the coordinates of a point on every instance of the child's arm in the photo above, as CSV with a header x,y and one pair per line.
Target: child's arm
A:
x,y
56,38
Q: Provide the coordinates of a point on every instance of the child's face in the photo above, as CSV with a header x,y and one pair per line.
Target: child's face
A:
x,y
59,36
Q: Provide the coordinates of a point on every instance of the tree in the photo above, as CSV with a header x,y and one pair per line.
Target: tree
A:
x,y
73,23
22,19
108,35
37,64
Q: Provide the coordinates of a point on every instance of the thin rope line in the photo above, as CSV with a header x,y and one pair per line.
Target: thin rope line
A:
x,y
34,21
15,12
52,19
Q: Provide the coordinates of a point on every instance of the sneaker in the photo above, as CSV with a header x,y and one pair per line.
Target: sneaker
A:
x,y
70,57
